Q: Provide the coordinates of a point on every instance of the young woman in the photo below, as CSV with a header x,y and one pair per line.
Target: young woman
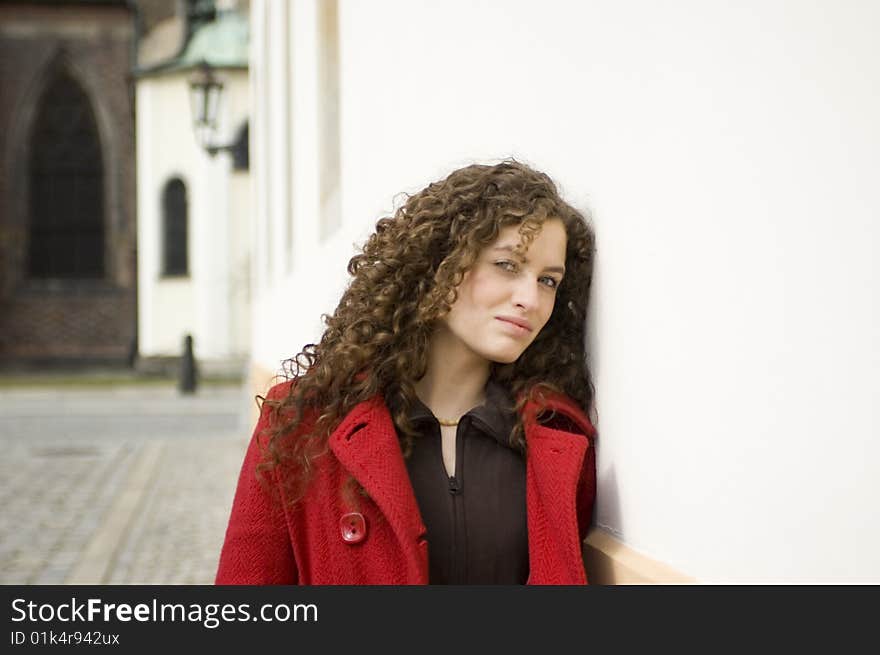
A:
x,y
439,432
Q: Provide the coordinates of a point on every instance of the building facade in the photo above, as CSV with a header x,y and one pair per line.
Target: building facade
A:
x,y
67,183
194,210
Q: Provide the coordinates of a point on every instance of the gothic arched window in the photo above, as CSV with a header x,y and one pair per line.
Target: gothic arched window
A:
x,y
174,228
66,180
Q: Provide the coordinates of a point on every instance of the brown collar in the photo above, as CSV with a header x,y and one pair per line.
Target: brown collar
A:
x,y
495,418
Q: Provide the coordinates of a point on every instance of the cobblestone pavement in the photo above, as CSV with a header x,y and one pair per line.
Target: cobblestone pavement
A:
x,y
126,485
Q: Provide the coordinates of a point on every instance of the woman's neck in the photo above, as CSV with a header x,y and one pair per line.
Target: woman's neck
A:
x,y
456,377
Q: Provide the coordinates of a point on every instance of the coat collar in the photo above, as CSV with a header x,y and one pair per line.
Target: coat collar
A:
x,y
553,468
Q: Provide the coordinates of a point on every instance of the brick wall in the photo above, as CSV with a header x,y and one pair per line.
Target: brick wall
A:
x,y
67,319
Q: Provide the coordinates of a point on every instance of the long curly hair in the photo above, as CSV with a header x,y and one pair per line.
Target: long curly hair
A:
x,y
404,280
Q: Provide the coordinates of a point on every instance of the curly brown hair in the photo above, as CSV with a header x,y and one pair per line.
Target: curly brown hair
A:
x,y
403,281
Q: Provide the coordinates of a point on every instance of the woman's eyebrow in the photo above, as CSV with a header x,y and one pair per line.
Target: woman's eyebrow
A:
x,y
552,269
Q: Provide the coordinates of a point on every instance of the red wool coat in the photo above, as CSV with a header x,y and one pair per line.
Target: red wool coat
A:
x,y
382,541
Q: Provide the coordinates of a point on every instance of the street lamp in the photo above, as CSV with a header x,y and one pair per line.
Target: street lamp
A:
x,y
205,93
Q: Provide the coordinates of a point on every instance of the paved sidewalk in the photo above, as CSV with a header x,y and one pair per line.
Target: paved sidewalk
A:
x,y
123,485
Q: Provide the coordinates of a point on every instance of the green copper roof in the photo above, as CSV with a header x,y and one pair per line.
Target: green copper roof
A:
x,y
222,43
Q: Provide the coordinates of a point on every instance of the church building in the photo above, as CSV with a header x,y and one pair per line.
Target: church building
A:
x,y
67,182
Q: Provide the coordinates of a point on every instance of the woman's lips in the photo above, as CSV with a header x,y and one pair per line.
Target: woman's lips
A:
x,y
513,328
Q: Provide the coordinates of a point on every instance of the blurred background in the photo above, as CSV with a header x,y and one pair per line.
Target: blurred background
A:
x,y
182,183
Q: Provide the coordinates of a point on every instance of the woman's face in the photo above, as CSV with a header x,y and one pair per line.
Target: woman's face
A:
x,y
504,301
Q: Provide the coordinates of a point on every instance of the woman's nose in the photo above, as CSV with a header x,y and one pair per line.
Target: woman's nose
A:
x,y
525,293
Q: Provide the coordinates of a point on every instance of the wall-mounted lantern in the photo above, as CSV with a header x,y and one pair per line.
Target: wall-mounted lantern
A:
x,y
206,94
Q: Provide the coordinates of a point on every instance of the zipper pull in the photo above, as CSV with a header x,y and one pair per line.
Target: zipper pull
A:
x,y
454,485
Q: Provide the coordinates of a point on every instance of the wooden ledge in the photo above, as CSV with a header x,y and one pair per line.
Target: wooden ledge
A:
x,y
611,562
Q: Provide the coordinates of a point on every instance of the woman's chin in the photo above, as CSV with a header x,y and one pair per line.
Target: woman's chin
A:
x,y
501,357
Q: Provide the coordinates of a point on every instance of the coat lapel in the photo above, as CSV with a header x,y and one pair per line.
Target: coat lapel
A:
x,y
366,444
553,466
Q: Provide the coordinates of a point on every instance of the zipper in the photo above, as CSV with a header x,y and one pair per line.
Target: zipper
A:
x,y
455,491
456,487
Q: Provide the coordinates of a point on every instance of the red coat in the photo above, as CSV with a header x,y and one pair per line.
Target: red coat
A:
x,y
322,542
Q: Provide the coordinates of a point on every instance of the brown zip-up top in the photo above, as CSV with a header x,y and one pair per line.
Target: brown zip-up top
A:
x,y
476,519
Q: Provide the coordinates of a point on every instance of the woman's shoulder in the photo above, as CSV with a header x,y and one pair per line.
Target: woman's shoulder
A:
x,y
275,410
560,411
277,393
280,390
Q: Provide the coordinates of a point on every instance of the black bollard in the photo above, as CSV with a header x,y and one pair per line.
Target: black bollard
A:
x,y
188,367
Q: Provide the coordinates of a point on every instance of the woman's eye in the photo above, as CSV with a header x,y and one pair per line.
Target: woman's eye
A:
x,y
547,280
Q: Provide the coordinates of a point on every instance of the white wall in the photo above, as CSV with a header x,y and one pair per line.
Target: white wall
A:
x,y
729,155
210,302
297,275
165,306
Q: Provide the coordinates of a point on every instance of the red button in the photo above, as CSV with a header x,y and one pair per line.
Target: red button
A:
x,y
353,527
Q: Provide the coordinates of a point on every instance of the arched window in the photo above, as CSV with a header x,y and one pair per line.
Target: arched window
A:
x,y
66,180
175,228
